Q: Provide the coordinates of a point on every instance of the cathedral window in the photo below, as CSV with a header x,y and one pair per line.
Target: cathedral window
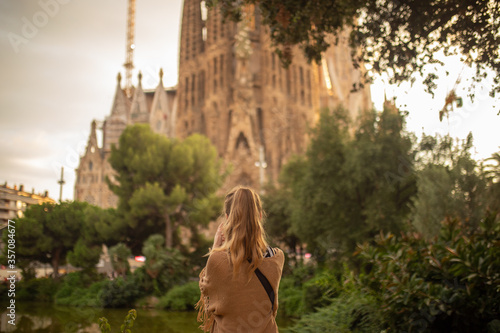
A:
x,y
229,124
215,66
91,165
203,8
221,70
193,84
279,78
201,84
288,82
215,86
260,122
214,23
186,90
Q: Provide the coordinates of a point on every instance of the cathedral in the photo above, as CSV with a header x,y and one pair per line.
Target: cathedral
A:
x,y
232,89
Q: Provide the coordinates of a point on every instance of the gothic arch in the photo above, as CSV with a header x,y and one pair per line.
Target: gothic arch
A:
x,y
242,141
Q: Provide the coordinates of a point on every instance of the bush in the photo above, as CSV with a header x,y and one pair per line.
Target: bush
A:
x,y
78,289
181,298
120,292
37,290
302,292
351,311
290,298
449,284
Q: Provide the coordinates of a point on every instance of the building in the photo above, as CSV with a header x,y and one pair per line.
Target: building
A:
x,y
232,89
155,108
14,202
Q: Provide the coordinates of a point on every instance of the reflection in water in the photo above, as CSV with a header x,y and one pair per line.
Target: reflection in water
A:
x,y
43,317
48,318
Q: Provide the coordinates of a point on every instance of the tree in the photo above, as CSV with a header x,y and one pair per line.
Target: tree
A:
x,y
165,266
164,183
351,186
118,255
88,248
47,232
276,203
398,36
492,175
451,184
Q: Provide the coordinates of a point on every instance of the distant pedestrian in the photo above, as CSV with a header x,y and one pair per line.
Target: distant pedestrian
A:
x,y
239,285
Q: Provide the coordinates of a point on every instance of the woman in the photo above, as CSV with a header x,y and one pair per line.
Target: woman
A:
x,y
235,296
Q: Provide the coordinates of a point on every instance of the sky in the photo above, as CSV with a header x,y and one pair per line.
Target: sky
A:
x,y
58,65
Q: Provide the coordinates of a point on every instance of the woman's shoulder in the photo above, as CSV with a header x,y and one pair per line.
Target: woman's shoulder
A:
x,y
276,254
218,257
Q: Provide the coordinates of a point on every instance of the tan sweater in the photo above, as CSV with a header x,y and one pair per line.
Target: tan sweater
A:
x,y
239,305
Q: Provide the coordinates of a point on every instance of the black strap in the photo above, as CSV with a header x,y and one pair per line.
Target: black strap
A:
x,y
266,285
264,281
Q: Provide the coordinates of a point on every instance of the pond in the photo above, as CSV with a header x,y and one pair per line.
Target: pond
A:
x,y
49,318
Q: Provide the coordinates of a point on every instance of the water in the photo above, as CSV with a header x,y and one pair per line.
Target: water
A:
x,y
49,318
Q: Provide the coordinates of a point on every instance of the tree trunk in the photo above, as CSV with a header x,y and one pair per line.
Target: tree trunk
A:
x,y
56,256
168,231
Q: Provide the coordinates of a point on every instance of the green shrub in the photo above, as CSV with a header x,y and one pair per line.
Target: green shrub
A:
x,y
451,284
79,289
120,292
181,298
39,290
351,311
290,298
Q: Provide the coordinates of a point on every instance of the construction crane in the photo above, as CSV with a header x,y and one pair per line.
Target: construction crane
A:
x,y
129,61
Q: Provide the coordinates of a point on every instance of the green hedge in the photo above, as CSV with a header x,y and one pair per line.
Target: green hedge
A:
x,y
181,298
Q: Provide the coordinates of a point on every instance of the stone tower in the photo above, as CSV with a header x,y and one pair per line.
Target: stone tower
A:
x,y
156,108
233,89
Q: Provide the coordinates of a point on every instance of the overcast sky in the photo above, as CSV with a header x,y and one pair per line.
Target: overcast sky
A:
x,y
58,65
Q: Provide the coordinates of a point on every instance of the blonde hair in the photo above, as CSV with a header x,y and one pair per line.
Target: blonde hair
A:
x,y
243,230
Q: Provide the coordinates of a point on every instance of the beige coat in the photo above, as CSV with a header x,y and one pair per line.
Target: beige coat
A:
x,y
238,305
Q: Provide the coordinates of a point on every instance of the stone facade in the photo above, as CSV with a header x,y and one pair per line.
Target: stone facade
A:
x,y
154,107
232,89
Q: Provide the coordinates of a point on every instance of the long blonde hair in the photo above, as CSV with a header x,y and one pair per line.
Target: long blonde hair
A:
x,y
244,233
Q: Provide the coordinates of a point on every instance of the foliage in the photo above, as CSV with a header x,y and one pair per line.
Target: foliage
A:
x,y
276,204
394,36
291,291
118,255
128,323
181,298
492,175
450,185
87,250
39,290
120,292
52,233
47,232
348,188
351,311
166,267
450,284
80,289
162,184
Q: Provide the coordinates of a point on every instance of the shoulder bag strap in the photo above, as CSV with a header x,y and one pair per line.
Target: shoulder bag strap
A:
x,y
267,286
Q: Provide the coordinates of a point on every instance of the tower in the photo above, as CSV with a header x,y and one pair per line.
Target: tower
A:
x,y
233,89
